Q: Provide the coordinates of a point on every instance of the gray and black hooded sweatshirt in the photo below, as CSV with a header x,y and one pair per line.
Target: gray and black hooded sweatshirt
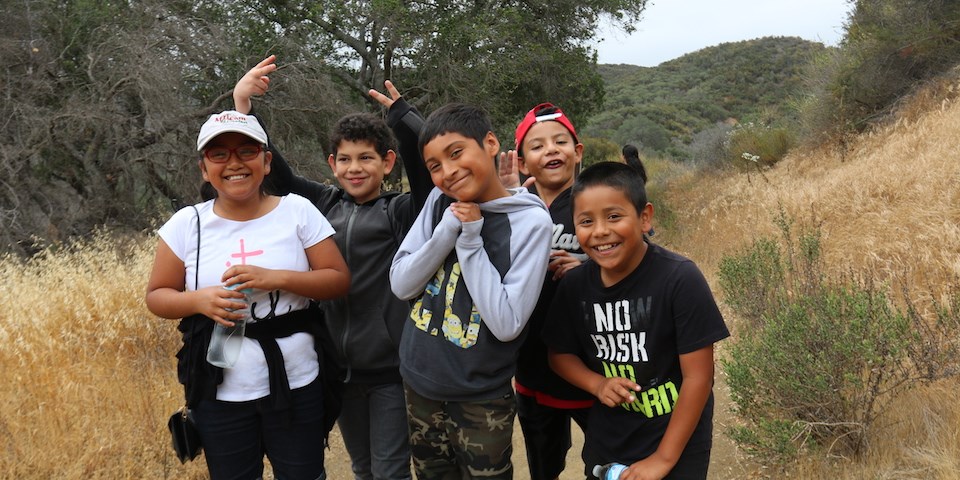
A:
x,y
365,325
475,285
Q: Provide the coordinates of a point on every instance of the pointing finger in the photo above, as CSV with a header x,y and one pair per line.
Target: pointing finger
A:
x,y
266,61
265,66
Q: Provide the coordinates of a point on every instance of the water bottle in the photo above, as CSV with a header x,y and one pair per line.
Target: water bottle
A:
x,y
225,344
610,471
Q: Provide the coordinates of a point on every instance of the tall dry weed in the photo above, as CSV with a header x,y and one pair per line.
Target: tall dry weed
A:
x,y
86,368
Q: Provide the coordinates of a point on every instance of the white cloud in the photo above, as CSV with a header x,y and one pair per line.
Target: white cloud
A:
x,y
671,28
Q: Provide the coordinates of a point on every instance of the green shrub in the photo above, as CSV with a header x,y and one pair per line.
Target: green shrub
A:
x,y
936,351
753,280
751,146
598,150
818,359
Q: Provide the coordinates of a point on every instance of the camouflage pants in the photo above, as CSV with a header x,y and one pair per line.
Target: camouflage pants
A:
x,y
461,440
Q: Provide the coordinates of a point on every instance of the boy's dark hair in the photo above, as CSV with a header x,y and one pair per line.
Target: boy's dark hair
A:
x,y
631,155
467,120
363,127
614,175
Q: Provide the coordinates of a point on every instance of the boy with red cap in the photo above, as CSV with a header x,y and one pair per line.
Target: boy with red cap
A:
x,y
548,151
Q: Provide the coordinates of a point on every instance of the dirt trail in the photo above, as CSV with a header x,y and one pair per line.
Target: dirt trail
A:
x,y
727,462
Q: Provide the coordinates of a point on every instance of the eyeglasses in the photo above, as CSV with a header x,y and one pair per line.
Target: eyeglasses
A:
x,y
222,154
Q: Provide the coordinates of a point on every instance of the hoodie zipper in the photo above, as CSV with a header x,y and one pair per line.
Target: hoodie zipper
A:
x,y
347,321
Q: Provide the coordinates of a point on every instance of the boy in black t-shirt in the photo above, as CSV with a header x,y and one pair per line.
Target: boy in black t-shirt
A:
x,y
635,326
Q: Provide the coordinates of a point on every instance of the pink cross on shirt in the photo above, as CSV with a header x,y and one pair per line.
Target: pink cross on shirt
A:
x,y
243,254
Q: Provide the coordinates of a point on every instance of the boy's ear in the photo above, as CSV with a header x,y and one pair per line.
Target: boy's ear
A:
x,y
522,166
491,144
646,217
389,160
333,164
579,149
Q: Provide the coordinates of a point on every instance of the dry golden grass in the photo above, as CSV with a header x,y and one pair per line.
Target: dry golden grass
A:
x,y
90,373
889,207
86,368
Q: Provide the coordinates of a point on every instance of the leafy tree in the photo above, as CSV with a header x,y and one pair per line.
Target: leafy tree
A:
x,y
105,100
502,55
102,99
890,46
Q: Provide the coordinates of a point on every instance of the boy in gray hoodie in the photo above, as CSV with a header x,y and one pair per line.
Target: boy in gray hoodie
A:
x,y
473,263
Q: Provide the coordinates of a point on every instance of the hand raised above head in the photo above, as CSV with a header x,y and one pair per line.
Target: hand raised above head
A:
x,y
383,99
253,83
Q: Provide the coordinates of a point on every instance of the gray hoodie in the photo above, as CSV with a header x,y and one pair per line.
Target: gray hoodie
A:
x,y
475,286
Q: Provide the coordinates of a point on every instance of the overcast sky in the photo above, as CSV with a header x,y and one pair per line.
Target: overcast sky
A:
x,y
671,28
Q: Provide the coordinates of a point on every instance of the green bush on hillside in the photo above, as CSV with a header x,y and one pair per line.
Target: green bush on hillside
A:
x,y
756,279
751,146
598,150
936,353
815,363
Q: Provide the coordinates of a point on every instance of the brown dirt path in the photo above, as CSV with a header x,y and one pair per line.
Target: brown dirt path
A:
x,y
727,461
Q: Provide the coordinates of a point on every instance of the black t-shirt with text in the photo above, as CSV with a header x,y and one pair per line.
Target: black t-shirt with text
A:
x,y
637,329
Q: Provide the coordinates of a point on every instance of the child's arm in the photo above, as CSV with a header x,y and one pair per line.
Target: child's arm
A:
x,y
406,122
423,250
610,391
327,278
166,296
505,305
697,368
281,180
253,83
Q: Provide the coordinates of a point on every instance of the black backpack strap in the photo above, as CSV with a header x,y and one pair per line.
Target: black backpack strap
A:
x,y
196,285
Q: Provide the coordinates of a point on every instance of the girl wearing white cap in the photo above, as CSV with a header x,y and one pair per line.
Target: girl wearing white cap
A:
x,y
281,251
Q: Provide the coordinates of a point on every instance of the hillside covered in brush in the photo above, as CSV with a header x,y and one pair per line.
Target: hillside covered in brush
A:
x,y
662,107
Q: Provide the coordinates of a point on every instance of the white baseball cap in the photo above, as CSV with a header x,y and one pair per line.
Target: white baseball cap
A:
x,y
230,121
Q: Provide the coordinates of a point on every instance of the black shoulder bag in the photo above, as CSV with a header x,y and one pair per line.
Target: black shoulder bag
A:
x,y
186,438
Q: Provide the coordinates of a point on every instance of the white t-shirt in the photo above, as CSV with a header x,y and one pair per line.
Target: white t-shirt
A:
x,y
276,240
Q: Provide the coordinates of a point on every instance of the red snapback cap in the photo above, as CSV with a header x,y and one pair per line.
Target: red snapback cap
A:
x,y
542,113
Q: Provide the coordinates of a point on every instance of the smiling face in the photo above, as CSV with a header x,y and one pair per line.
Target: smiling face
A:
x,y
464,169
235,179
551,156
610,230
360,169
